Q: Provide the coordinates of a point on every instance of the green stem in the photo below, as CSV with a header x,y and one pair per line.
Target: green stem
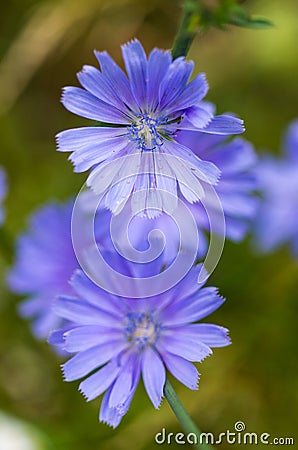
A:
x,y
187,29
185,421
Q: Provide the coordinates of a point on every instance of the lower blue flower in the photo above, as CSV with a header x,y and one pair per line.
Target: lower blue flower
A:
x,y
118,341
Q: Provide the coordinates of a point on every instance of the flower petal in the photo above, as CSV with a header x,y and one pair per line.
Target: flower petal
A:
x,y
83,313
135,62
182,369
97,383
113,415
185,346
154,375
102,176
123,183
94,295
96,83
165,182
92,358
116,78
192,309
84,104
203,170
77,139
211,335
193,93
158,64
125,381
290,142
97,152
91,145
87,336
198,117
224,124
174,81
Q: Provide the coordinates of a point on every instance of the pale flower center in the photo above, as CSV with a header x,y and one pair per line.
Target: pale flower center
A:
x,y
145,132
141,329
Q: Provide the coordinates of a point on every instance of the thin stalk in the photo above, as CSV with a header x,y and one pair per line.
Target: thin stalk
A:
x,y
184,419
187,29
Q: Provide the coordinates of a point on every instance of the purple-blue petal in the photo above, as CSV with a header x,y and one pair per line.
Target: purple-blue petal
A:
x,y
158,64
290,142
211,335
87,360
182,369
96,83
97,383
83,313
184,345
135,62
154,375
197,117
193,308
94,295
193,93
87,336
224,124
174,82
82,103
116,78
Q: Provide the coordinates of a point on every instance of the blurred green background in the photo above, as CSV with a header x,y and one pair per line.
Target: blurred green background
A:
x,y
253,73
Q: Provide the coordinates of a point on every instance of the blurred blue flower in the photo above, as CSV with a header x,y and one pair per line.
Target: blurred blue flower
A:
x,y
237,161
117,340
45,261
277,218
2,192
133,148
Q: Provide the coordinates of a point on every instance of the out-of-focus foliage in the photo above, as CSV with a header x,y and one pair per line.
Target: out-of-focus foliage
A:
x,y
219,13
251,72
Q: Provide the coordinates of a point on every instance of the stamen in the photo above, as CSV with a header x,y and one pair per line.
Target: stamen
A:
x,y
145,132
141,329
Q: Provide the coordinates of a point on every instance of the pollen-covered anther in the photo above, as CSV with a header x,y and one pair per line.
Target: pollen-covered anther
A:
x,y
145,132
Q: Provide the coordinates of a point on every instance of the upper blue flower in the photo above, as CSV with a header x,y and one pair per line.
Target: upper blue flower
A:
x,y
277,219
2,192
134,146
118,340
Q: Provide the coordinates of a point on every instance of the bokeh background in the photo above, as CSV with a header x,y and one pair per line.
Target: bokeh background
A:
x,y
43,43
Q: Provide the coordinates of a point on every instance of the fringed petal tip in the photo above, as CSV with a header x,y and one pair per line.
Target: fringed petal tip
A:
x,y
86,397
109,423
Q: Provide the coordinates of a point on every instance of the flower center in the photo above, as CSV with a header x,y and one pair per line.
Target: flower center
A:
x,y
145,132
141,329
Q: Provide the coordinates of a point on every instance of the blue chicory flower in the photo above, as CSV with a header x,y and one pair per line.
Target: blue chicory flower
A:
x,y
45,261
277,219
2,192
133,147
116,340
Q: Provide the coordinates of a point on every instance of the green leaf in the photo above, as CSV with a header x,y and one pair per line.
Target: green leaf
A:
x,y
239,17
